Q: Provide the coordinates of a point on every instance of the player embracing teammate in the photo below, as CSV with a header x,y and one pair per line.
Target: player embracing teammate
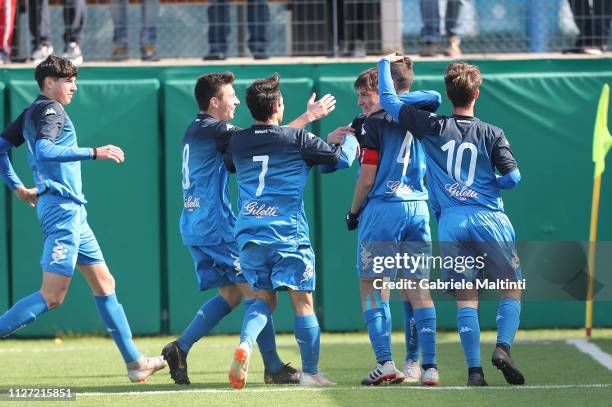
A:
x,y
463,154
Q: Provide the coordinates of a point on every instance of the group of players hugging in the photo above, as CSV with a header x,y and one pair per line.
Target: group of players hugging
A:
x,y
399,141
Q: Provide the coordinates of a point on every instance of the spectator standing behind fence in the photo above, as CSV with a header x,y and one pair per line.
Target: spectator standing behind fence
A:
x,y
7,21
593,21
258,18
148,30
430,33
40,29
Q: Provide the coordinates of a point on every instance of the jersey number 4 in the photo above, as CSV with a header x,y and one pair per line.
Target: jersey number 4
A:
x,y
263,159
404,154
450,153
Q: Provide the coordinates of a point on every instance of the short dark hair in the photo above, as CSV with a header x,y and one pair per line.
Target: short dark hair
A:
x,y
402,73
367,80
207,87
461,81
262,95
54,67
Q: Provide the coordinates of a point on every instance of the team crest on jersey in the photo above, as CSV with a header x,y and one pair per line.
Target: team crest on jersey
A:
x,y
59,252
308,272
516,262
236,264
310,135
366,257
228,127
49,111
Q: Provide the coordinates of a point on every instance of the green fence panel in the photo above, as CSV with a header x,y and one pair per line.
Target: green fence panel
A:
x,y
179,110
123,210
4,270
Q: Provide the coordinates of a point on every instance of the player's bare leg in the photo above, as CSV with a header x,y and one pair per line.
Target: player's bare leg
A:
x,y
307,334
102,285
375,306
54,288
501,359
425,319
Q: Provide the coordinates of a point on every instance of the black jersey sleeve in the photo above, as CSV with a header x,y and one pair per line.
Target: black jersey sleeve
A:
x,y
316,151
419,122
503,158
14,132
49,121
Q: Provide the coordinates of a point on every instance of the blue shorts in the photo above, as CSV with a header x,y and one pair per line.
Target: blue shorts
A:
x,y
266,267
217,265
388,229
472,232
68,239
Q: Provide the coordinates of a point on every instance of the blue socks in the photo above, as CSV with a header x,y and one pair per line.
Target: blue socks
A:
x,y
410,333
308,336
469,333
22,313
256,316
425,319
266,341
380,338
508,315
117,325
209,315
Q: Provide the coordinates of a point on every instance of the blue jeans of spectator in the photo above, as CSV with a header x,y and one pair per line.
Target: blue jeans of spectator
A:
x,y
40,28
148,31
258,17
430,14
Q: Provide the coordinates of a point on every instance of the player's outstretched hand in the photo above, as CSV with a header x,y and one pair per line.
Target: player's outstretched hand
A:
x,y
319,109
394,57
110,152
27,195
352,220
337,136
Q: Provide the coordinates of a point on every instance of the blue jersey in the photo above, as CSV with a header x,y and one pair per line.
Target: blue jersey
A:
x,y
272,164
207,217
400,159
46,121
462,152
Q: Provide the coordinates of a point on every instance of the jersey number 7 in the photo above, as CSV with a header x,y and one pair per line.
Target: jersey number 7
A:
x,y
262,175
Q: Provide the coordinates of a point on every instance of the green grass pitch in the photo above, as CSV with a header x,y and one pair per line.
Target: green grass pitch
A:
x,y
557,374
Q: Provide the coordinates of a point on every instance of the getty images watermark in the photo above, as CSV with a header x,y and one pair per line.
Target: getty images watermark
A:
x,y
403,271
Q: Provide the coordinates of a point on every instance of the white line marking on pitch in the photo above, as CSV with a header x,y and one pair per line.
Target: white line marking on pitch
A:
x,y
593,351
297,388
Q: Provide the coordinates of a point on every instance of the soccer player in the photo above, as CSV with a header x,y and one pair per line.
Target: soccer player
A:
x,y
366,87
272,164
389,206
207,222
463,153
55,160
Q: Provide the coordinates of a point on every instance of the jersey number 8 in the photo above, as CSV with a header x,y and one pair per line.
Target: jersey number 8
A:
x,y
186,181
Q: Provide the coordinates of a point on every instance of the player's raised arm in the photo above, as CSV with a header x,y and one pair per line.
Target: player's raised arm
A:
x,y
418,122
505,163
315,110
429,100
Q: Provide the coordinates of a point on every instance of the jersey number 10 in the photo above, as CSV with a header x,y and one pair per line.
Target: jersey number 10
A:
x,y
450,152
